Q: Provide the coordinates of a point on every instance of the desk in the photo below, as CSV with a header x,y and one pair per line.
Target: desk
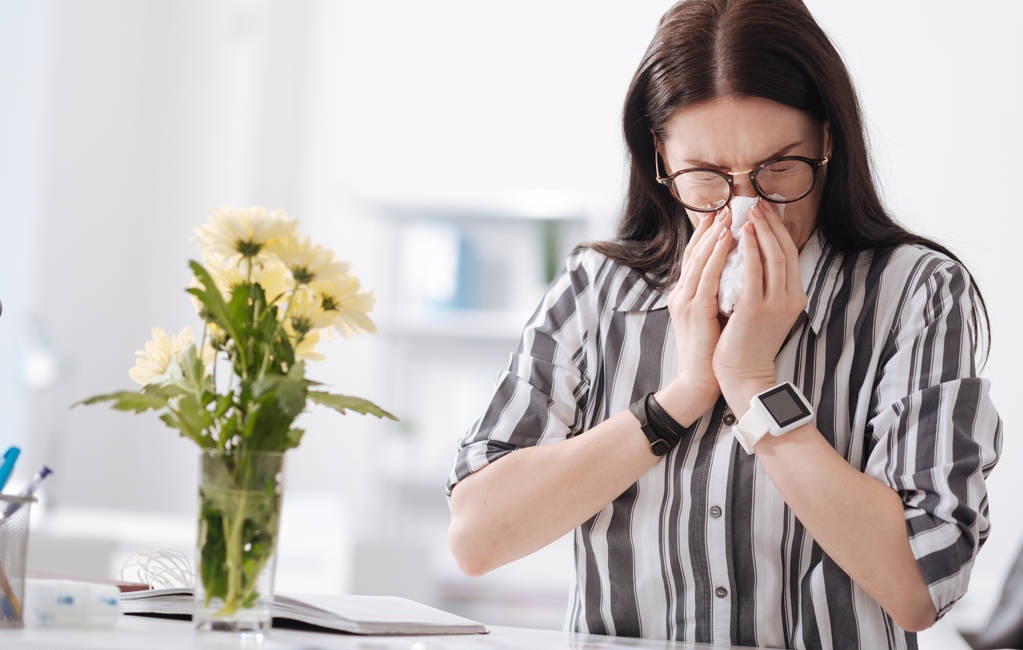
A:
x,y
142,633
139,633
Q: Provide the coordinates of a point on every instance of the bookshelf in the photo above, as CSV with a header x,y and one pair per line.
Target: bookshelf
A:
x,y
464,280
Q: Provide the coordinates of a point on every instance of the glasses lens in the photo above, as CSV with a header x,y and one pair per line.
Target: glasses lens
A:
x,y
702,190
785,180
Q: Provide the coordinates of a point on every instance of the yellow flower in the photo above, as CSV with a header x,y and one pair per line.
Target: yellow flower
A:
x,y
307,261
160,362
238,234
341,298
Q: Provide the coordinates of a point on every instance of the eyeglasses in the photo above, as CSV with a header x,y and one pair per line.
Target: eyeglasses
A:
x,y
780,180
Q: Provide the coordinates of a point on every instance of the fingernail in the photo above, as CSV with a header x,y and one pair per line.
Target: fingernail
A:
x,y
724,231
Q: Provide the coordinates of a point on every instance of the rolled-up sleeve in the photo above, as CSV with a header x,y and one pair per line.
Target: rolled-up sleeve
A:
x,y
935,434
537,399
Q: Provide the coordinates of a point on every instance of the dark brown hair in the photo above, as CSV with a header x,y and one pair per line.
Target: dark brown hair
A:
x,y
772,49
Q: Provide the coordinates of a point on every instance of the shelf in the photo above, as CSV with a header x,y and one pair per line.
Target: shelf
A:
x,y
522,207
479,325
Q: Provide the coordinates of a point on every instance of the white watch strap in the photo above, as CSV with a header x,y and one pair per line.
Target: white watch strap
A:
x,y
751,428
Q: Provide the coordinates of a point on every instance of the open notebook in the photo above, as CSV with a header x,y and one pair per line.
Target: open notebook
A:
x,y
352,614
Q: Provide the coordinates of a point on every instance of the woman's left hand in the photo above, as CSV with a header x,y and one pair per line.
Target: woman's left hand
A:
x,y
772,299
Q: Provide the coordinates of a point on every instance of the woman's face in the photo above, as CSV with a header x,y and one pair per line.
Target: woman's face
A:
x,y
739,133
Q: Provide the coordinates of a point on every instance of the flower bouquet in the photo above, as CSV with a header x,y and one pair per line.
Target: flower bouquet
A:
x,y
266,295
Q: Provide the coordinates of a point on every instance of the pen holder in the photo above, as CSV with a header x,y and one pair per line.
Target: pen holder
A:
x,y
14,512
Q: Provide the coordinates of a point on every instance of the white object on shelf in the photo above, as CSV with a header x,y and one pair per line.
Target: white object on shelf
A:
x,y
71,604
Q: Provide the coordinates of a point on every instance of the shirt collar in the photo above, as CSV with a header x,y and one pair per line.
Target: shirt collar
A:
x,y
818,270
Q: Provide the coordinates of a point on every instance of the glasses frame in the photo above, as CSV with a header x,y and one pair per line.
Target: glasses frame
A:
x,y
669,181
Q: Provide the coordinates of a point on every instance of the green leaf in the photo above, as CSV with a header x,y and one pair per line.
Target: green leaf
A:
x,y
171,420
224,402
194,419
194,370
168,391
294,437
344,403
210,297
126,400
278,401
229,429
212,549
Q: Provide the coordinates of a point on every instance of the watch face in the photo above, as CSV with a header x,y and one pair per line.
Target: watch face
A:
x,y
784,405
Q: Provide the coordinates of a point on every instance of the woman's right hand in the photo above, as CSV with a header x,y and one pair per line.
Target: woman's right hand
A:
x,y
693,306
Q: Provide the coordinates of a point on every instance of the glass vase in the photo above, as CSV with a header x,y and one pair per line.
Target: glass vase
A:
x,y
236,550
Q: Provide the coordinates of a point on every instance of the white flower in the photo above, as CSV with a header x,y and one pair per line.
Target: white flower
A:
x,y
271,275
341,298
307,261
275,280
237,234
305,311
225,275
160,361
307,348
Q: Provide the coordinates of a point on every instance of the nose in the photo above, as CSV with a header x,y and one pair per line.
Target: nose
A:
x,y
743,186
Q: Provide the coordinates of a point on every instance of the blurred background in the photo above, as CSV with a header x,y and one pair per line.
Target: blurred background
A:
x,y
453,151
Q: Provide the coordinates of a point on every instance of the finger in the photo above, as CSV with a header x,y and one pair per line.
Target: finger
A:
x,y
693,268
704,223
772,215
710,278
774,261
753,271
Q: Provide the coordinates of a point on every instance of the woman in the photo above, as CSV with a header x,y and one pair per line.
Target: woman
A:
x,y
711,501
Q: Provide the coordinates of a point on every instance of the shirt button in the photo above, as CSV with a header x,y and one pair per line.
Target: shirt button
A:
x,y
720,592
729,419
715,511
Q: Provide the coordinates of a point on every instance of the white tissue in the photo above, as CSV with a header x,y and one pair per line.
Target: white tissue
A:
x,y
731,275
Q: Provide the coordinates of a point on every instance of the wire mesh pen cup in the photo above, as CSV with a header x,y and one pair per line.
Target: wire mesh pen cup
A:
x,y
14,512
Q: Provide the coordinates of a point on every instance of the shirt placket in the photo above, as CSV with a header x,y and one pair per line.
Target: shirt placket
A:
x,y
717,531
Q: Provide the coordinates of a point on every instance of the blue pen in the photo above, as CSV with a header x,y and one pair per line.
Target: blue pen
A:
x,y
10,457
27,492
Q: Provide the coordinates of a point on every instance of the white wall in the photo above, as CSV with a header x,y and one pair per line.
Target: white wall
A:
x,y
26,52
131,119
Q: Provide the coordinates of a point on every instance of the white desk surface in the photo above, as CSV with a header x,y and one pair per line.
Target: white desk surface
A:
x,y
144,633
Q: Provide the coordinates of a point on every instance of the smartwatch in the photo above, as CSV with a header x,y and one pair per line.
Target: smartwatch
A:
x,y
775,411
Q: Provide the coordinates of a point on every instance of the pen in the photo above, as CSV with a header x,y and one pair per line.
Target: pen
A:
x,y
27,492
10,457
11,607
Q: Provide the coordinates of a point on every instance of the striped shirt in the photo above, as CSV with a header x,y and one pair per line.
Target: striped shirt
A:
x,y
702,548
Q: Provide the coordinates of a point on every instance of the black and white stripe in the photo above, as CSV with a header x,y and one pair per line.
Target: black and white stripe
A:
x,y
884,354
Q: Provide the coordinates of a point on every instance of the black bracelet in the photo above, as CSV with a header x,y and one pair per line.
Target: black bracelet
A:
x,y
660,429
663,420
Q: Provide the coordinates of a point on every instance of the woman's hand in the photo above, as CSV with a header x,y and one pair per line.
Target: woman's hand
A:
x,y
693,306
772,299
